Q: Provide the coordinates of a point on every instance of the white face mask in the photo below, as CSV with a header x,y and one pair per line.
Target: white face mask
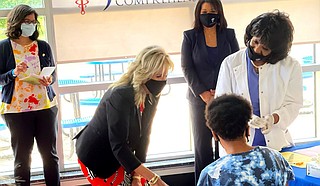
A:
x,y
28,29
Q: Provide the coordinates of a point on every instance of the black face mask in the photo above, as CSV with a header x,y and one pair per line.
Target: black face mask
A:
x,y
209,20
155,87
255,56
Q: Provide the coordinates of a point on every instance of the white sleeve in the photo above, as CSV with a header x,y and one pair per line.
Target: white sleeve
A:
x,y
224,83
293,100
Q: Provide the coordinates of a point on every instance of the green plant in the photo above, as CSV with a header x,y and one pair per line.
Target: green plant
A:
x,y
8,4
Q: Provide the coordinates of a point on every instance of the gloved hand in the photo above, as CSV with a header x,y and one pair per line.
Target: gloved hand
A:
x,y
257,122
265,123
269,124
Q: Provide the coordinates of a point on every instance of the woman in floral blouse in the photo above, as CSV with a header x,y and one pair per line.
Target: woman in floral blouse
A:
x,y
28,109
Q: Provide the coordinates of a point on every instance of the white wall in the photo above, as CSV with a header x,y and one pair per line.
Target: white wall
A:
x,y
119,33
124,32
305,16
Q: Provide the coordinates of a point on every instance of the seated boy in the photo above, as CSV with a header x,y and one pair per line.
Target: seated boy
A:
x,y
227,117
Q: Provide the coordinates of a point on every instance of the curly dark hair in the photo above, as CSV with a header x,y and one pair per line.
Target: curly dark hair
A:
x,y
275,31
218,6
16,17
228,116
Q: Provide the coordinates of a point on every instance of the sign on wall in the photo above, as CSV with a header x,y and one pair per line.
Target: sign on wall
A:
x,y
82,4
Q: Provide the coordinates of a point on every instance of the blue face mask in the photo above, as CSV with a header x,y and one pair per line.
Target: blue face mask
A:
x,y
28,29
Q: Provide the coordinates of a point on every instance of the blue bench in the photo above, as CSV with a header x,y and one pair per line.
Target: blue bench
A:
x,y
75,122
3,126
66,123
71,81
73,126
90,101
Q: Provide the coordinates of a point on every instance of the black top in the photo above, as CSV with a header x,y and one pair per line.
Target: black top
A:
x,y
117,134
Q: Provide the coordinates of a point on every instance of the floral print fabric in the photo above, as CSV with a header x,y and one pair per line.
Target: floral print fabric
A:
x,y
26,96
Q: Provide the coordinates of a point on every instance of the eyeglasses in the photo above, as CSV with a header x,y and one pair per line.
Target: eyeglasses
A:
x,y
27,21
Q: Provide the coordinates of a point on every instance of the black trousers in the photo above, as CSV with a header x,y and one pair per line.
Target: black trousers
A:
x,y
24,127
202,138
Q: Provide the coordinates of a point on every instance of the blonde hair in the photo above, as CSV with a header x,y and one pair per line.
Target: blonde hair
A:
x,y
148,62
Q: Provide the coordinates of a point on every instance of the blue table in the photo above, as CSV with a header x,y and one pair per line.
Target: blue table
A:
x,y
99,69
300,173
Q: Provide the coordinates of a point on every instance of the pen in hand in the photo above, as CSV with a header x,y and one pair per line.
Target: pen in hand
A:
x,y
20,67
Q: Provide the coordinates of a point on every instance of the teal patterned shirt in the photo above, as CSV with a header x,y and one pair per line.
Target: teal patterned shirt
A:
x,y
260,166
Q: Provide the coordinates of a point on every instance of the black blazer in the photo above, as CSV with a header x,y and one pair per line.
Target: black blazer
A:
x,y
117,134
198,72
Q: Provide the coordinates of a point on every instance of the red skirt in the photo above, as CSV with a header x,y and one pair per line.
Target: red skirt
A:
x,y
113,180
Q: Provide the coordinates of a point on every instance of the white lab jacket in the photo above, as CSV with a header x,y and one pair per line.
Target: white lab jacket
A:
x,y
280,91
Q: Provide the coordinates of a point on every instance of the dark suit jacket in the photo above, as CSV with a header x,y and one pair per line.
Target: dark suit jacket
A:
x,y
117,134
198,72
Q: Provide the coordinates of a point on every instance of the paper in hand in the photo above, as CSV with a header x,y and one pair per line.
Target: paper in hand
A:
x,y
34,78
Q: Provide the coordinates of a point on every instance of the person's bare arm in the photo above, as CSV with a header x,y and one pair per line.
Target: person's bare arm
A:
x,y
149,175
